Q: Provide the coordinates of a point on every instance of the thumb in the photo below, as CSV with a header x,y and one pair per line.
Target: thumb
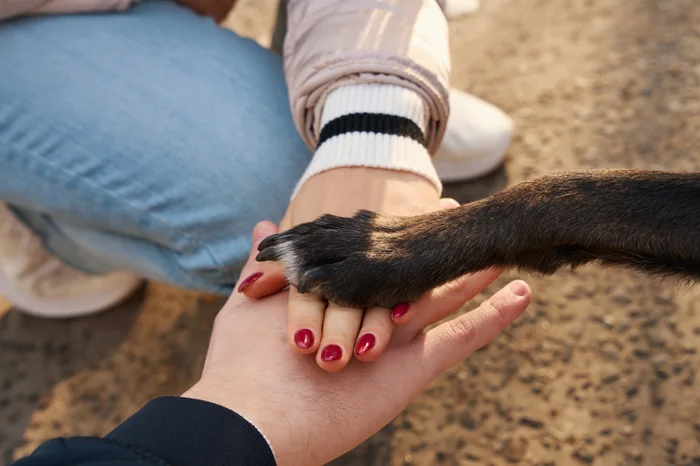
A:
x,y
448,203
452,341
445,300
264,278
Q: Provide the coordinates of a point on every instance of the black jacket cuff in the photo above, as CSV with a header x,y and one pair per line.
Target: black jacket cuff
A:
x,y
188,432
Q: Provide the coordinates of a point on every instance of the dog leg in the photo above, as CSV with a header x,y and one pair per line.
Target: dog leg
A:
x,y
645,220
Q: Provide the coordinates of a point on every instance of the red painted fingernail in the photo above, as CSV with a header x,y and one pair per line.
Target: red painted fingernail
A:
x,y
365,343
331,353
304,338
250,279
399,310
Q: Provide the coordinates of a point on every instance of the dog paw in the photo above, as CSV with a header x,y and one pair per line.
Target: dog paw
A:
x,y
361,261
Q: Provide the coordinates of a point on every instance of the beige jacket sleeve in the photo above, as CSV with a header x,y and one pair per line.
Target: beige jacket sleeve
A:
x,y
12,8
331,43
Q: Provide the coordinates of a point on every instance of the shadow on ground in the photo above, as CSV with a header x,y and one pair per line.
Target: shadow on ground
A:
x,y
84,376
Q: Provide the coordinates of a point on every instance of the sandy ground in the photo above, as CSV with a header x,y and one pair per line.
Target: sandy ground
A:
x,y
602,369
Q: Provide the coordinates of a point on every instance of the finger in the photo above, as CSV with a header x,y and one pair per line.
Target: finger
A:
x,y
261,231
305,321
451,342
268,278
340,327
445,300
374,334
448,203
403,313
261,279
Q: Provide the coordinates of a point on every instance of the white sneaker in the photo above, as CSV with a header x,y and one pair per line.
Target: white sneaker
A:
x,y
476,140
456,8
38,284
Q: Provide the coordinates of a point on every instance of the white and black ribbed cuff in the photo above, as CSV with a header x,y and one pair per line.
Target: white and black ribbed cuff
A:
x,y
373,125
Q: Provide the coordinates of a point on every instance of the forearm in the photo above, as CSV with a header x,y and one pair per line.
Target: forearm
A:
x,y
168,430
643,220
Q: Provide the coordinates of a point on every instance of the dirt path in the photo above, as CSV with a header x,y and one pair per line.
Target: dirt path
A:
x,y
601,371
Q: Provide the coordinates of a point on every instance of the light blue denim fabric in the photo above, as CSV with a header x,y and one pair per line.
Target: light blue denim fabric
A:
x,y
150,141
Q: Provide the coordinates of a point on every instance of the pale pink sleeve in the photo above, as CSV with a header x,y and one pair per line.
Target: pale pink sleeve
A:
x,y
369,83
13,8
331,43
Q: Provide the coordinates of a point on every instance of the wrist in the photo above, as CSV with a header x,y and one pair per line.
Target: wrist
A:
x,y
378,126
193,431
239,403
344,190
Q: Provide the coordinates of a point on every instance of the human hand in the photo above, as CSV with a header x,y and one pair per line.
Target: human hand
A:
x,y
295,404
313,322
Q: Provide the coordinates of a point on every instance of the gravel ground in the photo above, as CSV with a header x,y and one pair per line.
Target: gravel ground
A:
x,y
600,371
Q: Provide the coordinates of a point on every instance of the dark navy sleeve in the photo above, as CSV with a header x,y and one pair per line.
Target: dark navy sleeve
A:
x,y
167,431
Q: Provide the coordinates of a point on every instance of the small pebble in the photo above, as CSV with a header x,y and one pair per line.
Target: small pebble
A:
x,y
610,377
466,420
583,456
532,423
609,321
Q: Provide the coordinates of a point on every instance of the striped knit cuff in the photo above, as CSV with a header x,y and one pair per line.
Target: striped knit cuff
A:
x,y
373,125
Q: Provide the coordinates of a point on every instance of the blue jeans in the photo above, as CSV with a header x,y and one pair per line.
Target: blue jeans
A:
x,y
149,141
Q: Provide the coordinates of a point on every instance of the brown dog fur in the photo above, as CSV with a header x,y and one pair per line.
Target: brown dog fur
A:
x,y
645,220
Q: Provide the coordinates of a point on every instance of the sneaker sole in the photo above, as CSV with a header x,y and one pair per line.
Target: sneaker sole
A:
x,y
66,308
454,171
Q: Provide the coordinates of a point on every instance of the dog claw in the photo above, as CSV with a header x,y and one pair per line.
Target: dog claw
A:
x,y
270,241
267,254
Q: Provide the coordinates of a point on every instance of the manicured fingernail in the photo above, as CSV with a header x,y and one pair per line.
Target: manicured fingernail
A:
x,y
250,279
331,353
304,338
399,310
365,343
518,288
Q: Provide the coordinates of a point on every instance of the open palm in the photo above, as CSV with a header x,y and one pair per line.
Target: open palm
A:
x,y
311,416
